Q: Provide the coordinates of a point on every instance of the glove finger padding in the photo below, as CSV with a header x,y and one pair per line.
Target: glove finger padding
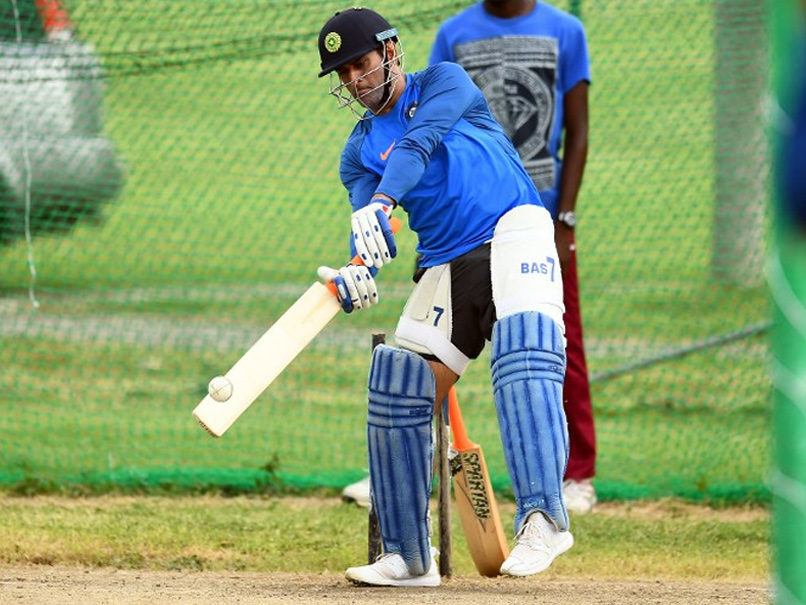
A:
x,y
388,234
361,286
355,286
365,244
327,274
372,235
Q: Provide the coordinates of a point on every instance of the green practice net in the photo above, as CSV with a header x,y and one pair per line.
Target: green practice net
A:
x,y
787,277
169,185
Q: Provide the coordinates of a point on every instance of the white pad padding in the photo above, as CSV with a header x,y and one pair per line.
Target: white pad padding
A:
x,y
426,324
525,266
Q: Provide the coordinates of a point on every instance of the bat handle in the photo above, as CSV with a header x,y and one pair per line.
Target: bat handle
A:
x,y
460,439
395,223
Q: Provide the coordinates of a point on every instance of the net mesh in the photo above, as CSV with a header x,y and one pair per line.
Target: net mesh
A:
x,y
787,278
169,185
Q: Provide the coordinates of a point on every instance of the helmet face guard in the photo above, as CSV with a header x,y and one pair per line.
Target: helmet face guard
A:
x,y
341,90
349,35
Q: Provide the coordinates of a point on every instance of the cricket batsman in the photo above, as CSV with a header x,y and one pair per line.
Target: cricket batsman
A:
x,y
426,142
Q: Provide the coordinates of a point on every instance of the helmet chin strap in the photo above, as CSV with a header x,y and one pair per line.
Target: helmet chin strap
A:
x,y
389,81
387,88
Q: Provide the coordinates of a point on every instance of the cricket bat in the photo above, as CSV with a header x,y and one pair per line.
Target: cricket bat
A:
x,y
475,499
271,354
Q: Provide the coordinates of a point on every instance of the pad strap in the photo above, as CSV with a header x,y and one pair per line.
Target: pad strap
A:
x,y
528,365
401,452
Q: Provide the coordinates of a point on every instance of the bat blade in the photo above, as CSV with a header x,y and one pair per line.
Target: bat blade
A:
x,y
475,499
268,357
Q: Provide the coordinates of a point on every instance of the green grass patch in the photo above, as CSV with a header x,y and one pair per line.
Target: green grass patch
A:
x,y
659,541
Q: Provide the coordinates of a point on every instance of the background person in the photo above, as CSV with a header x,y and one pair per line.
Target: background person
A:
x,y
530,60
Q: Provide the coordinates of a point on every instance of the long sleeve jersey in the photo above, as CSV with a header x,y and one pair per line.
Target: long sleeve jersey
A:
x,y
443,158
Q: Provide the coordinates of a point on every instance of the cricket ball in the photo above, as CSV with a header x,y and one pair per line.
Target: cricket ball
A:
x,y
220,388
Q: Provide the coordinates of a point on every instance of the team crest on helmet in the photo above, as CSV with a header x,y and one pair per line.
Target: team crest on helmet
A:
x,y
333,42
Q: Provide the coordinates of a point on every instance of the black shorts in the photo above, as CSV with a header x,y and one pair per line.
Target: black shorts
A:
x,y
451,302
472,301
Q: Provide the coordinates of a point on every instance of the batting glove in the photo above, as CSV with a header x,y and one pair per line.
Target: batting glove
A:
x,y
355,286
372,234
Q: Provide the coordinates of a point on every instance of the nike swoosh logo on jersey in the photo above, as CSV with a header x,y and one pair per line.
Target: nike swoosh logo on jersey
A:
x,y
385,154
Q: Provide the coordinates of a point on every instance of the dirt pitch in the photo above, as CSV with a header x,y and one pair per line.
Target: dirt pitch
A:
x,y
60,586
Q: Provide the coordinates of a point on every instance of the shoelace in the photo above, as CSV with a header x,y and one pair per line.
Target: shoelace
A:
x,y
531,535
392,564
385,558
394,561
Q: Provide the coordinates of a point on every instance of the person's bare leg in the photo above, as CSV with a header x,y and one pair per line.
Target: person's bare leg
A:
x,y
445,378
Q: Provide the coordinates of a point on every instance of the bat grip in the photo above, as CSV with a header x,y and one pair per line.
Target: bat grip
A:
x,y
395,223
460,439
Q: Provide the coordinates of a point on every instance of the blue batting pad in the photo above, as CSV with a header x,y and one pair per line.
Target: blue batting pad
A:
x,y
401,451
528,367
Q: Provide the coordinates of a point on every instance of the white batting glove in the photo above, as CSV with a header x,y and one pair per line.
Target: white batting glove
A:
x,y
372,234
355,285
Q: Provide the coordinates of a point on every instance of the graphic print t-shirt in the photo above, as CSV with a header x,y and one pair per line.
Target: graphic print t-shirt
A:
x,y
524,66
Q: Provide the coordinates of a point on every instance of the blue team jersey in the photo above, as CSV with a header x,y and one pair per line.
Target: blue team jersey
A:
x,y
443,158
524,66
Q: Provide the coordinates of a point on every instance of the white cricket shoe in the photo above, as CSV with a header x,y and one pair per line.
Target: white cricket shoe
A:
x,y
357,492
538,543
579,496
391,570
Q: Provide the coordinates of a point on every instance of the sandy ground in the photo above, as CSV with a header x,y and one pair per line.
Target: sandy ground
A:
x,y
63,586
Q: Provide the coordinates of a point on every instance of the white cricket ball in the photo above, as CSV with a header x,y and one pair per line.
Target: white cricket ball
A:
x,y
220,388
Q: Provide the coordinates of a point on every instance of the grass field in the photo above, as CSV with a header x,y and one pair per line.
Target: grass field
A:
x,y
663,540
232,200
